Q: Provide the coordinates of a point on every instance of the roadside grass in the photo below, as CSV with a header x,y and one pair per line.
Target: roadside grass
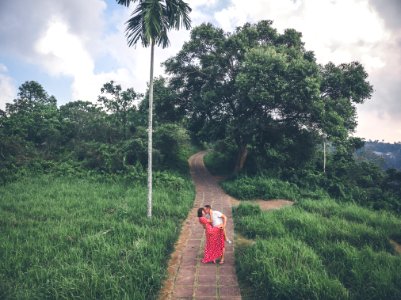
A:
x,y
318,250
65,238
247,188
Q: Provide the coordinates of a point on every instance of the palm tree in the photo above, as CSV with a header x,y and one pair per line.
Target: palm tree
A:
x,y
150,22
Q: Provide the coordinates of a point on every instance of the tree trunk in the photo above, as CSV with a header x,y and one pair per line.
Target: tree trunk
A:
x,y
150,131
241,158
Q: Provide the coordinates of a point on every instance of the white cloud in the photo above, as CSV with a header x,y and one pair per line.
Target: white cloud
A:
x,y
7,87
378,126
338,31
85,41
65,53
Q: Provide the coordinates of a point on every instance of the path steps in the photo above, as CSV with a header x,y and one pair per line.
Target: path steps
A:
x,y
188,278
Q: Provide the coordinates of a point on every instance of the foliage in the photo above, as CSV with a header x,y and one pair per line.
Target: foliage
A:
x,y
149,23
386,155
121,105
247,188
173,143
109,137
318,250
151,20
221,159
265,92
69,237
168,106
346,179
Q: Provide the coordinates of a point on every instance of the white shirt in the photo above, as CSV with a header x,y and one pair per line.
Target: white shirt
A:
x,y
216,218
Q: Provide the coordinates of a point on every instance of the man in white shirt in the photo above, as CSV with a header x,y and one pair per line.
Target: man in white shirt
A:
x,y
218,220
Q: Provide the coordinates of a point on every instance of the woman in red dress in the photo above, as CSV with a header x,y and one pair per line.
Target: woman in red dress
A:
x,y
214,246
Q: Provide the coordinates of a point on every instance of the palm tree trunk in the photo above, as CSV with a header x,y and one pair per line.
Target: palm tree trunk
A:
x,y
324,156
150,130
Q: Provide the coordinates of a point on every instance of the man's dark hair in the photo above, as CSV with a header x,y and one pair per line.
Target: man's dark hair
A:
x,y
200,212
208,206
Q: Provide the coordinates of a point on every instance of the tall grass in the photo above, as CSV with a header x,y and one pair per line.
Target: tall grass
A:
x,y
286,268
247,188
318,250
69,238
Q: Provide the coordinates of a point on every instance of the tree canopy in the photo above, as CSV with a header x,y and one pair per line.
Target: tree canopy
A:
x,y
264,91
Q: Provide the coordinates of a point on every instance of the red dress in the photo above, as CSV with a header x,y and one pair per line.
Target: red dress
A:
x,y
214,246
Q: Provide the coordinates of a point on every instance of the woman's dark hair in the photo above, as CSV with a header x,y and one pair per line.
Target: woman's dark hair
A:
x,y
200,212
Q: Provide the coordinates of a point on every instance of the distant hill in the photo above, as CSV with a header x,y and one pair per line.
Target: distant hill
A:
x,y
386,155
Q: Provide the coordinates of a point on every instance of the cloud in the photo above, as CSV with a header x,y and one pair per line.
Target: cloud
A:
x,y
390,10
23,22
378,126
78,40
62,37
7,87
84,42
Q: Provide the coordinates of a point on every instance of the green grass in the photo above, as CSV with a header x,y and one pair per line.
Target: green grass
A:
x,y
248,188
318,250
69,238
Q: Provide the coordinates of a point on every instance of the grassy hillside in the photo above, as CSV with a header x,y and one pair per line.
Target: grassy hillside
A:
x,y
86,239
318,250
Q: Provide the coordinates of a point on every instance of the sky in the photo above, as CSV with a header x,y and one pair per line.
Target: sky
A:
x,y
73,47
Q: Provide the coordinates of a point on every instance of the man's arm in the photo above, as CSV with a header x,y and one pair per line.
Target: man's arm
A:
x,y
223,216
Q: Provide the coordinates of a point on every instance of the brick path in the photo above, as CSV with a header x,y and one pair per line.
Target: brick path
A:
x,y
188,277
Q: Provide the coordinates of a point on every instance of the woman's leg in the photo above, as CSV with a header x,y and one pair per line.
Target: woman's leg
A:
x,y
222,257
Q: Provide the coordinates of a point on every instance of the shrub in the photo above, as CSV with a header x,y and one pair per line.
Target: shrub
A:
x,y
246,188
219,163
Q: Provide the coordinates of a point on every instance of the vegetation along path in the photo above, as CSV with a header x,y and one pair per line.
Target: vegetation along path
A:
x,y
188,277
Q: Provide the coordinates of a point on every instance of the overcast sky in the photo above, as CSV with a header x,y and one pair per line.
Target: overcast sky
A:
x,y
73,47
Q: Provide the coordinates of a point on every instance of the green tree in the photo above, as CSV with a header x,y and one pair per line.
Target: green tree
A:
x,y
265,92
168,106
245,84
33,116
150,22
172,142
342,87
121,104
29,129
83,121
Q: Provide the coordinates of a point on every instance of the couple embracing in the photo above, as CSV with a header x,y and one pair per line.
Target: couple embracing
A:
x,y
214,223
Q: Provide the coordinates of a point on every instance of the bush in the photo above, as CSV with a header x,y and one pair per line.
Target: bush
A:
x,y
247,188
173,147
219,163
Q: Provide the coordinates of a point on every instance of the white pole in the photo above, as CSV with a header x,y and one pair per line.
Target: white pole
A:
x,y
324,156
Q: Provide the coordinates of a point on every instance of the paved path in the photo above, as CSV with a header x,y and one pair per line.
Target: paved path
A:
x,y
188,277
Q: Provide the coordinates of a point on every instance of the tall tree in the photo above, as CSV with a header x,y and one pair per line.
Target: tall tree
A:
x,y
167,105
149,23
264,91
33,115
249,85
120,103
